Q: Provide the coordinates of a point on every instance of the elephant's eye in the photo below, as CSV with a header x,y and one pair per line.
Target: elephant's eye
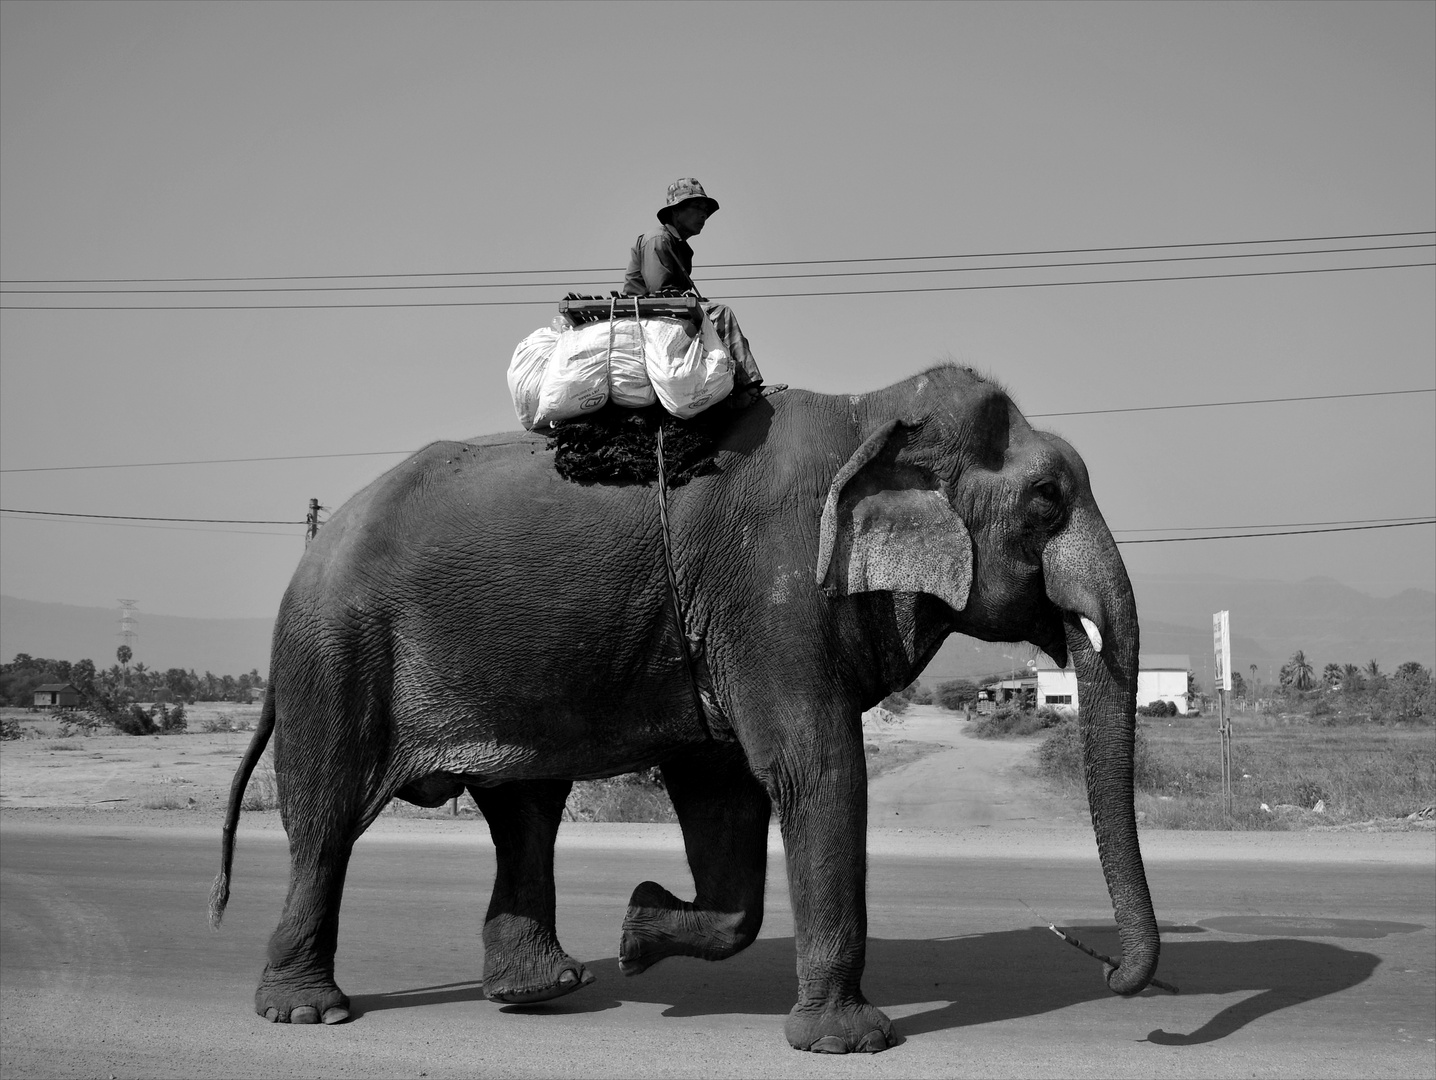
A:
x,y
1046,504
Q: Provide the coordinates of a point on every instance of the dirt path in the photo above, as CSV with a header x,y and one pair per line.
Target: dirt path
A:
x,y
974,783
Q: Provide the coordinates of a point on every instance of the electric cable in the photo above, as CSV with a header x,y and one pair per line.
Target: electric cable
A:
x,y
395,453
1298,532
1388,523
568,283
729,266
721,296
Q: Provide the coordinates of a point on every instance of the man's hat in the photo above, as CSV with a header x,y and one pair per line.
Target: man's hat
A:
x,y
682,191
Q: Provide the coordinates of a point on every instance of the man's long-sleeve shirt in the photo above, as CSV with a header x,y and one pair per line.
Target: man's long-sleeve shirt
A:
x,y
660,260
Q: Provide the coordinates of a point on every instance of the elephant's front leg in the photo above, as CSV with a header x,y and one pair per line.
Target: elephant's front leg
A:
x,y
820,788
724,813
523,961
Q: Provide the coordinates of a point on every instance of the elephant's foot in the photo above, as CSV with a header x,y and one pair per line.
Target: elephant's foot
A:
x,y
290,1001
857,1028
519,983
659,925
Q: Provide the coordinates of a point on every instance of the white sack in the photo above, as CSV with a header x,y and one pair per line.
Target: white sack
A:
x,y
582,374
526,372
627,376
689,382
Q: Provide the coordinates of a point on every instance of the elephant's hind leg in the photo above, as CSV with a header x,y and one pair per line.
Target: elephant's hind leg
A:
x,y
523,961
724,813
298,985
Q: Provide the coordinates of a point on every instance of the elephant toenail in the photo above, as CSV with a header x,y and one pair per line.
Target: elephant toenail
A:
x,y
829,1044
304,1014
271,1014
568,978
873,1043
335,1015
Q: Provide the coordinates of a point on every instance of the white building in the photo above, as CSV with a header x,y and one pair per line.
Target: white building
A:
x,y
1160,677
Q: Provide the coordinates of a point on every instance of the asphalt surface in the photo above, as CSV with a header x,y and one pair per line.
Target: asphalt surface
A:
x,y
1303,955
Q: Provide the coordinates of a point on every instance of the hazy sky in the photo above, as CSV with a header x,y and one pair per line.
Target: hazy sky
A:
x,y
255,140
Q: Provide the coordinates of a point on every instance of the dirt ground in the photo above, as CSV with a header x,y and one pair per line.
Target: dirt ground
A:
x,y
184,778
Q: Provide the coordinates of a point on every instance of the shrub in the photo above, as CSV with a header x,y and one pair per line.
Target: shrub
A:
x,y
1007,722
895,704
10,729
171,721
134,721
1060,755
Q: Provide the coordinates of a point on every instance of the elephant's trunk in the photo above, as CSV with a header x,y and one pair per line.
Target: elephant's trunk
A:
x,y
1085,577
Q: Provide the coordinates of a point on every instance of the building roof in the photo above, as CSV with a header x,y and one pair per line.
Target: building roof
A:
x,y
1163,661
52,686
1145,662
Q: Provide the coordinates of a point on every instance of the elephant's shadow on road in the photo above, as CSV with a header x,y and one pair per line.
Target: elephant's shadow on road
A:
x,y
1004,975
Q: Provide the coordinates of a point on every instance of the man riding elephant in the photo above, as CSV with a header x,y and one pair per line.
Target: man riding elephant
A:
x,y
662,261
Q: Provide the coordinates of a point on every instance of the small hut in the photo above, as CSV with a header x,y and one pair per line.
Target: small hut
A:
x,y
56,695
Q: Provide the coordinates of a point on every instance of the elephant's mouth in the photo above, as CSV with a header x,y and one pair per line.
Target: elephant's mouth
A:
x,y
1051,636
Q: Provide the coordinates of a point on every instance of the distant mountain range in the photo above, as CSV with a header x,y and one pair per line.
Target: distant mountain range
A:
x,y
1269,620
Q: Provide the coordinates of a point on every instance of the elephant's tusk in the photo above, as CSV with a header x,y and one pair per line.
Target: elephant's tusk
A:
x,y
1093,634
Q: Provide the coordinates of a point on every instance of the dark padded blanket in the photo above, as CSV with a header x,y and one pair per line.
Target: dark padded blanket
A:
x,y
617,445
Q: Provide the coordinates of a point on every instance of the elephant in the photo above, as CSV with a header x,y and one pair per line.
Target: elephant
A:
x,y
472,621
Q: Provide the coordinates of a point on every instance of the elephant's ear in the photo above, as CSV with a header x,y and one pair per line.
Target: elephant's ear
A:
x,y
888,526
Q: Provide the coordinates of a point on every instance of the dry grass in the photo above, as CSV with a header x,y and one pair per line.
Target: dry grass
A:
x,y
1358,773
262,791
166,802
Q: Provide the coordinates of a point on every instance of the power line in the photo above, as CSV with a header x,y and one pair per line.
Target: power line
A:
x,y
395,453
740,296
568,283
1410,519
1297,528
211,461
1222,404
1298,532
157,528
131,517
729,266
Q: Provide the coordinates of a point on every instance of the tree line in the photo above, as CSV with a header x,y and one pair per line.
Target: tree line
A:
x,y
1404,694
121,683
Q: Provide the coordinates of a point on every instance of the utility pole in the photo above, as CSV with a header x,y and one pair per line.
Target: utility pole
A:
x,y
1222,663
311,521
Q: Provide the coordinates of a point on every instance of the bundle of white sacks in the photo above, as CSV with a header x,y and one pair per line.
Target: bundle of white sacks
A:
x,y
559,374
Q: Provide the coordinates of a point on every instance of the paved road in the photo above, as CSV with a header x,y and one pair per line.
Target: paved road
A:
x,y
1297,956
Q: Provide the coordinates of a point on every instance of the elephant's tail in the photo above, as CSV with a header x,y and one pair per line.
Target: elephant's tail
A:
x,y
219,892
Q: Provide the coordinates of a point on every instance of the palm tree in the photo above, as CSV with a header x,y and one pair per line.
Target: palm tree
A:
x,y
123,654
1300,670
1373,669
1331,674
1350,677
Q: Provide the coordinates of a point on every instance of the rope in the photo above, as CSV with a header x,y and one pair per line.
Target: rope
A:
x,y
1107,959
608,356
668,566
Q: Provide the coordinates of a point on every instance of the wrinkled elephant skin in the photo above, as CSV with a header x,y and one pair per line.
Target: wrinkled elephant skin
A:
x,y
470,621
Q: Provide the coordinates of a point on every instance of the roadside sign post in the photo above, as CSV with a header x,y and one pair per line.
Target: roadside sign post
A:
x,y
1222,662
